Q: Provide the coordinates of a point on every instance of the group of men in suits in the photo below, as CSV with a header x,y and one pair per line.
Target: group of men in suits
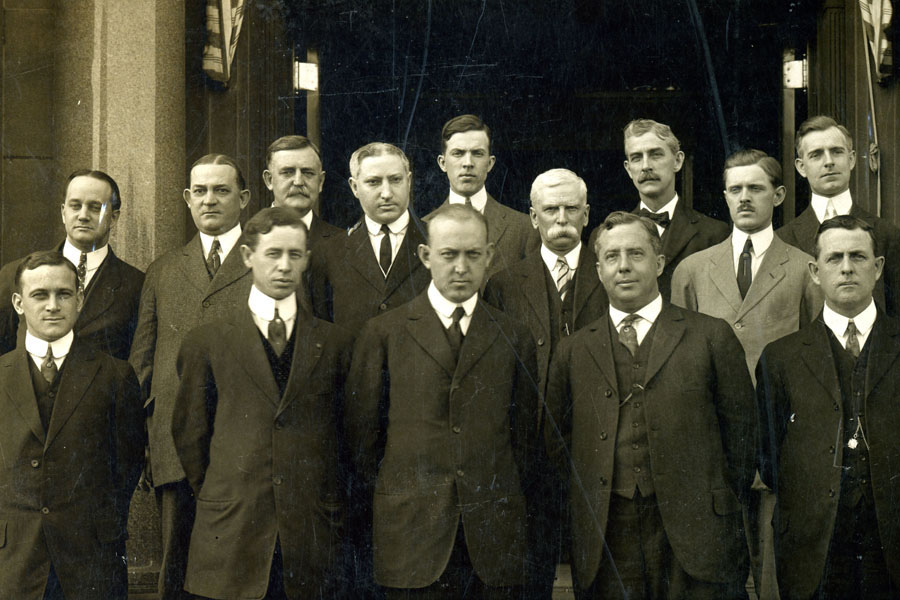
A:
x,y
452,389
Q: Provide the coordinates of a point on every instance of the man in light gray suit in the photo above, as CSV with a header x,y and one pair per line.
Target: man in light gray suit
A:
x,y
204,280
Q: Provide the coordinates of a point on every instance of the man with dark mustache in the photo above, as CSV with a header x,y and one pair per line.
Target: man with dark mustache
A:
x,y
826,158
652,158
186,287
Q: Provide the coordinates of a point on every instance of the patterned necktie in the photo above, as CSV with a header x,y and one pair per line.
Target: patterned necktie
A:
x,y
852,340
454,332
384,254
830,211
628,333
563,279
82,272
745,268
213,262
660,218
48,366
277,334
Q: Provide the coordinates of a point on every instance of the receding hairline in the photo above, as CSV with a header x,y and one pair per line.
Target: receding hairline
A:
x,y
237,174
456,218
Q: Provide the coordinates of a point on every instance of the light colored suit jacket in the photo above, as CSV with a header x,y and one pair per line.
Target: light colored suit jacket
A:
x,y
781,298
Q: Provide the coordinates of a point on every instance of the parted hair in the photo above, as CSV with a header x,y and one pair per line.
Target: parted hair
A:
x,y
820,123
50,258
639,127
291,142
620,217
553,178
849,223
222,159
747,158
267,219
115,199
375,149
461,124
459,213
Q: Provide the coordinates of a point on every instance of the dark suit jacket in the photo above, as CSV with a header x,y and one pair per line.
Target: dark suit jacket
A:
x,y
509,230
108,318
262,465
456,441
801,232
700,410
321,231
521,292
801,413
64,491
347,286
178,296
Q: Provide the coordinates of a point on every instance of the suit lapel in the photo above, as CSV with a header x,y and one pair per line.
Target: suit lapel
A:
x,y
496,218
407,259
78,372
806,226
20,390
535,288
599,344
428,331
819,359
102,291
308,344
232,269
769,274
722,275
361,258
586,280
482,332
669,331
193,266
885,341
250,354
679,232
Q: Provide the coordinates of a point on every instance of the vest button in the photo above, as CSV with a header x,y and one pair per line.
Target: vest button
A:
x,y
35,463
460,472
635,424
831,493
603,481
637,469
277,480
540,342
738,325
383,306
45,511
206,304
608,393
603,435
637,404
456,429
279,424
636,366
831,450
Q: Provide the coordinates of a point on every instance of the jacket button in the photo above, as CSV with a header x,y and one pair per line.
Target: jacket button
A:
x,y
603,481
540,341
608,393
836,408
831,493
206,304
738,325
456,429
279,424
45,511
277,480
35,463
383,306
603,435
460,472
831,450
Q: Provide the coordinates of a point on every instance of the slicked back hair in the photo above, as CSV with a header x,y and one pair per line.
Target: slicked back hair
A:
x,y
42,258
267,219
459,213
751,157
222,159
820,123
849,223
291,142
639,127
375,149
620,217
461,124
115,199
555,177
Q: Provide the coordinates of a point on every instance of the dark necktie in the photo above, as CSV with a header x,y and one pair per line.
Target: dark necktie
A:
x,y
852,339
660,218
454,332
628,333
384,253
277,334
469,202
563,279
213,262
82,272
48,366
745,268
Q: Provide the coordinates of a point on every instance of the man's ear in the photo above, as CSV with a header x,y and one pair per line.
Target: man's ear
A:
x,y
245,198
246,253
491,164
441,164
679,160
79,300
187,197
425,255
801,168
267,179
490,254
780,192
354,187
814,272
17,303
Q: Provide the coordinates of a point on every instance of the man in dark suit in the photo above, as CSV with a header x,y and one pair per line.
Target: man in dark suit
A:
x,y
652,158
111,286
830,413
204,280
375,267
255,427
653,425
295,177
71,443
554,291
441,419
466,159
825,158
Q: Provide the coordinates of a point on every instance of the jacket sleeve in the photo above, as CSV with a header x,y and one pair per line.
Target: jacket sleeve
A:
x,y
773,407
143,347
525,411
683,292
558,417
130,437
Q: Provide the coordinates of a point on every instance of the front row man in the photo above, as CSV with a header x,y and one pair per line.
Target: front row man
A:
x,y
71,446
442,418
255,428
652,418
830,412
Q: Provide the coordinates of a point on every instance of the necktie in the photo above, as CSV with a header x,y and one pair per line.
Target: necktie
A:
x,y
48,366
454,332
563,280
82,272
628,334
661,219
745,268
277,334
469,201
384,253
852,340
830,211
213,262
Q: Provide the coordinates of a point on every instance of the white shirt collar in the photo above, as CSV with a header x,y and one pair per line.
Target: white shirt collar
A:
x,y
842,203
95,258
668,208
264,306
444,308
307,219
37,347
551,257
761,240
227,241
649,312
479,199
837,323
397,227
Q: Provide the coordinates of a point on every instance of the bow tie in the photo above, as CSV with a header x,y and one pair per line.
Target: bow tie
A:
x,y
661,219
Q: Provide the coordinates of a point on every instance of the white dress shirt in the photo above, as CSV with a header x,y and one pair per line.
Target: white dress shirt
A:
x,y
479,199
398,230
37,348
842,204
263,309
648,314
95,258
864,322
444,308
227,241
668,208
759,241
551,258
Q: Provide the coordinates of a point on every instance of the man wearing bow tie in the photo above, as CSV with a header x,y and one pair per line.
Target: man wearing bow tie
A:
x,y
828,396
652,158
71,444
442,423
